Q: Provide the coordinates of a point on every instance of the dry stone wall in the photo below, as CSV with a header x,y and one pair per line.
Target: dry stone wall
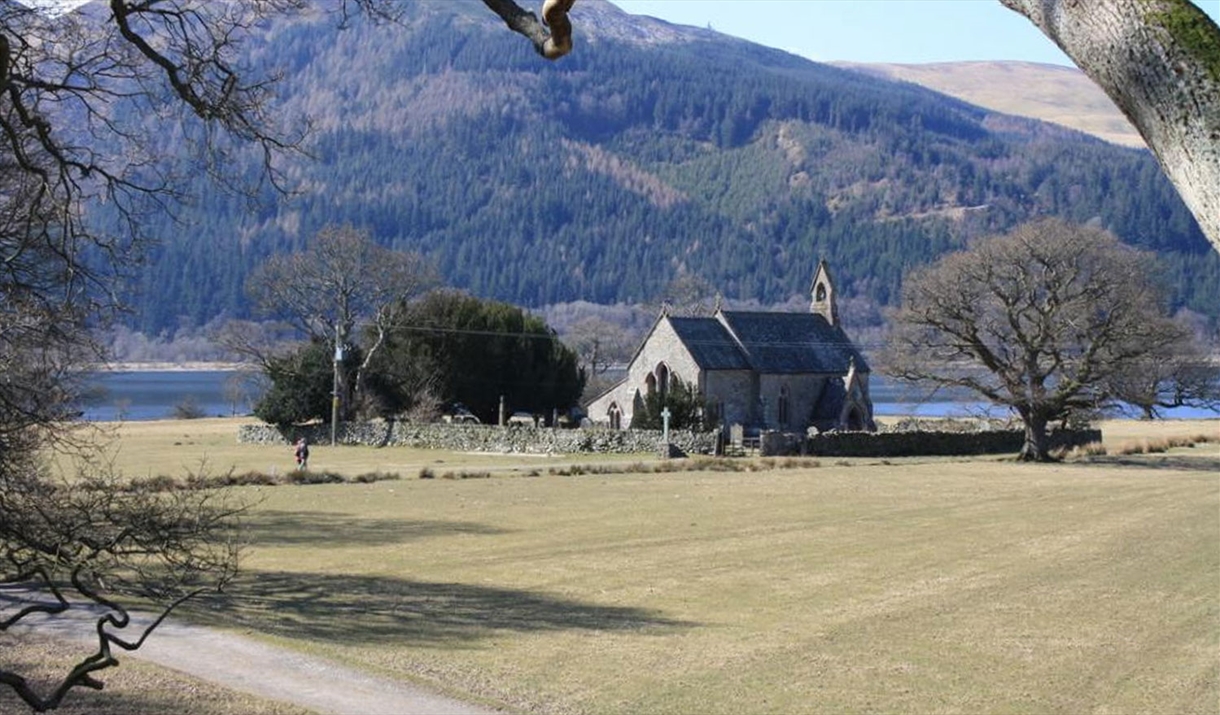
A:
x,y
933,443
528,440
483,438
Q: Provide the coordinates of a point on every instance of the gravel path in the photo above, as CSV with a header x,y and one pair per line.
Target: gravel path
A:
x,y
275,673
240,663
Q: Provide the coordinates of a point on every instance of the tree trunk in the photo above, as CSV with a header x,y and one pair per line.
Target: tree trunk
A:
x,y
1159,60
1037,446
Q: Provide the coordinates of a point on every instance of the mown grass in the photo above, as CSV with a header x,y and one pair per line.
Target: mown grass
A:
x,y
946,587
909,585
177,449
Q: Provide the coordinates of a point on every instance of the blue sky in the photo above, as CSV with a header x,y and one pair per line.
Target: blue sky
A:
x,y
859,30
909,31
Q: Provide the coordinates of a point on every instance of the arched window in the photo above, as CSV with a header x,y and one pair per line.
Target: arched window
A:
x,y
662,373
650,384
616,416
820,292
782,408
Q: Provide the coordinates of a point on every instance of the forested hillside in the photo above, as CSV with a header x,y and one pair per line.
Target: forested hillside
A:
x,y
651,151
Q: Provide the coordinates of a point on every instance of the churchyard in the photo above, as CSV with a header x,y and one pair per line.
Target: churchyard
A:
x,y
912,585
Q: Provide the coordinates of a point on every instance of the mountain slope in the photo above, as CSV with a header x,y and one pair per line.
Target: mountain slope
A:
x,y
655,150
1049,93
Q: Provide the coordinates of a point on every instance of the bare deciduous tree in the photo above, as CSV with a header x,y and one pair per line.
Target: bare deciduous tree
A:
x,y
1044,319
89,549
1180,375
88,545
688,295
599,344
342,281
94,545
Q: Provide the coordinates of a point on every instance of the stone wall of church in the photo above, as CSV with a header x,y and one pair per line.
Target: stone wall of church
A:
x,y
622,395
803,394
733,391
661,347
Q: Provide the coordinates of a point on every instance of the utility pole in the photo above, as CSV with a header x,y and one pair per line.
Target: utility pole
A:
x,y
334,403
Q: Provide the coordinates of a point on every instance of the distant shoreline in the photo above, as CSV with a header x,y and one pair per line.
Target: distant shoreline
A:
x,y
188,366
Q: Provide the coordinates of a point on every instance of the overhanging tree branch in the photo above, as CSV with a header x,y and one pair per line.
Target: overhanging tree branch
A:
x,y
1159,61
551,37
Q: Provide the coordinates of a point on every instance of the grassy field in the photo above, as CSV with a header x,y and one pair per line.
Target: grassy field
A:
x,y
179,447
857,586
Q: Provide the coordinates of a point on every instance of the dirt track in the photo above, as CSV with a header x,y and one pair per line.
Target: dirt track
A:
x,y
247,665
267,671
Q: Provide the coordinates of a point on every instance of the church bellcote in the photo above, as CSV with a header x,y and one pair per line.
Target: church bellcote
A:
x,y
823,295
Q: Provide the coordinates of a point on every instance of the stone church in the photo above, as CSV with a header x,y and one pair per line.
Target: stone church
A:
x,y
764,371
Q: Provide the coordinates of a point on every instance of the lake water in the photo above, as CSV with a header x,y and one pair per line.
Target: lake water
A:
x,y
154,394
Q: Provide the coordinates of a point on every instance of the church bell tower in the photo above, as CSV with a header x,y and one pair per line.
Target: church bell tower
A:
x,y
823,295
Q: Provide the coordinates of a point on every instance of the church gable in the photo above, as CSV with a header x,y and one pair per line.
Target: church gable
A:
x,y
662,357
659,359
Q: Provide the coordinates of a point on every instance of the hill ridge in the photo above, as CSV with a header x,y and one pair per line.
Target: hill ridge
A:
x,y
1052,93
604,176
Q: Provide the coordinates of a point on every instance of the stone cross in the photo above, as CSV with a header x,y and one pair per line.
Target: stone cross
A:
x,y
665,415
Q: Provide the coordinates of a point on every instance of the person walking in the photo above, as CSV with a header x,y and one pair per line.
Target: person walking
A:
x,y
302,454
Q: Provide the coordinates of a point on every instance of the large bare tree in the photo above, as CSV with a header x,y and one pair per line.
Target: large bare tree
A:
x,y
341,282
1047,320
91,546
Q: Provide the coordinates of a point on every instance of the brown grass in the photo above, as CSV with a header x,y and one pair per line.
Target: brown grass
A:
x,y
177,449
1062,95
1164,444
955,586
949,585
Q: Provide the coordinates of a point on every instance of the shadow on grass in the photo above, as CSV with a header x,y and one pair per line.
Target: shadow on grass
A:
x,y
374,610
311,528
1158,462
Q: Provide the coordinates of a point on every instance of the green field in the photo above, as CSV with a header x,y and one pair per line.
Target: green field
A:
x,y
865,586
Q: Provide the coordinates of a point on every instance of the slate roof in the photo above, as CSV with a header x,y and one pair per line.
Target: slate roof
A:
x,y
710,344
787,343
768,343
